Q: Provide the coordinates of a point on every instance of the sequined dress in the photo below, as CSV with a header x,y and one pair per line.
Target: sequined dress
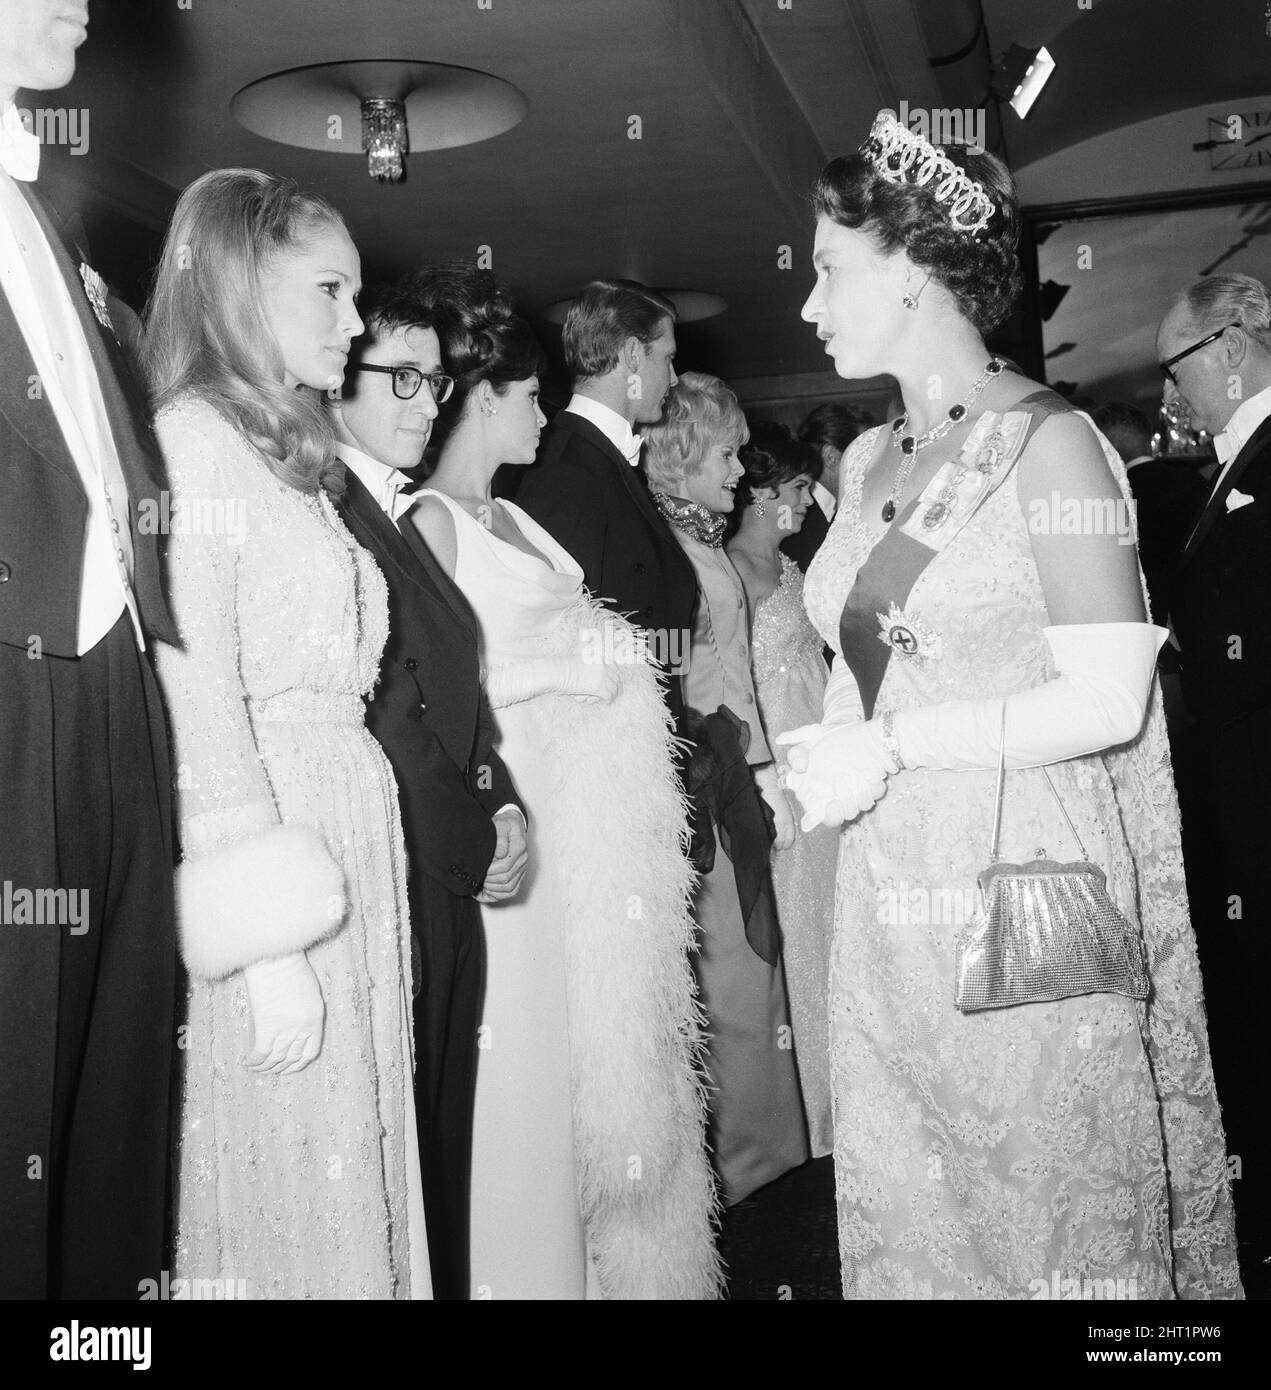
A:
x,y
790,675
1030,1151
303,1186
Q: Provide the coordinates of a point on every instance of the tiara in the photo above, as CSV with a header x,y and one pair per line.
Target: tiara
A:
x,y
902,156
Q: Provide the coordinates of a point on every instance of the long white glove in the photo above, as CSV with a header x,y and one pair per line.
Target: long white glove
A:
x,y
783,815
1097,701
287,1014
841,702
516,681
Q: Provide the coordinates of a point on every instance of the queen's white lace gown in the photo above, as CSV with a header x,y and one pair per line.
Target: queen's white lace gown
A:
x,y
303,1186
996,1155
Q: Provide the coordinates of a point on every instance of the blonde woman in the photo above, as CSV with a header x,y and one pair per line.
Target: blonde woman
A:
x,y
298,1170
757,1127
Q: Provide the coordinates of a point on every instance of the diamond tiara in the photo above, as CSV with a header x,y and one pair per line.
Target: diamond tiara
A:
x,y
901,156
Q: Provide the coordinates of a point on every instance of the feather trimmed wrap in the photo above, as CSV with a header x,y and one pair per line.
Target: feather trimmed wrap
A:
x,y
635,1029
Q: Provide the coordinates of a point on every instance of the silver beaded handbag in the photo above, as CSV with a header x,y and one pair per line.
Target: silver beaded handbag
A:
x,y
1044,930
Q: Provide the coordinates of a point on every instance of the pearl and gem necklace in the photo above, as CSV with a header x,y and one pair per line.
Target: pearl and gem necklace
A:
x,y
909,446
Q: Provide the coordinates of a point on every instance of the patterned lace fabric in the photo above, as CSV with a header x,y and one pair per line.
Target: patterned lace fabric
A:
x,y
998,1155
790,675
296,1184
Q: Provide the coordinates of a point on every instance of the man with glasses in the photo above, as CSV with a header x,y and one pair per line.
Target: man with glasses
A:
x,y
464,826
1214,347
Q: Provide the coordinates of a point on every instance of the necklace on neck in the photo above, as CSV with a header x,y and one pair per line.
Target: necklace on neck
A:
x,y
909,446
692,518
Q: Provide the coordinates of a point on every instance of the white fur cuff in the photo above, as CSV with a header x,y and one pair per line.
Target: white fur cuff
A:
x,y
269,895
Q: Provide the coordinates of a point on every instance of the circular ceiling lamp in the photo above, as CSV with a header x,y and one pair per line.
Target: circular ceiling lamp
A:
x,y
691,306
383,109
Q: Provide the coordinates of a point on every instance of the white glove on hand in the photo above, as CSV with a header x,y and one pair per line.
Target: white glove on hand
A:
x,y
516,681
287,1015
1097,701
837,770
779,804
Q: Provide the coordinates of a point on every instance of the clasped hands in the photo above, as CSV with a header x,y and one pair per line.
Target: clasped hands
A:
x,y
837,771
511,857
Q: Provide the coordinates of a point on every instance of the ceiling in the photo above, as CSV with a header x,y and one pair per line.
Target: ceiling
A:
x,y
741,101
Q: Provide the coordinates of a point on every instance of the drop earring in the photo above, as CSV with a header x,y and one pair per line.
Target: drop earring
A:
x,y
910,301
759,509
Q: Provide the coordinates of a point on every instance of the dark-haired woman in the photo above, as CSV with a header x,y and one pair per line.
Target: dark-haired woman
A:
x,y
1031,1149
773,497
298,1167
589,1172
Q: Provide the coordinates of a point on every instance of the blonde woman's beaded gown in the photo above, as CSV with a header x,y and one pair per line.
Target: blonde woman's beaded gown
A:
x,y
790,675
307,1185
1009,1153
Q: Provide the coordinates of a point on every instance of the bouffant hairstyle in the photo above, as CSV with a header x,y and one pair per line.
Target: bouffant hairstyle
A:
x,y
771,457
981,272
206,330
699,412
603,317
482,338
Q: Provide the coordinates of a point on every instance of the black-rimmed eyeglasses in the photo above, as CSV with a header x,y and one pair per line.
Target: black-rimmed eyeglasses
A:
x,y
1167,367
408,380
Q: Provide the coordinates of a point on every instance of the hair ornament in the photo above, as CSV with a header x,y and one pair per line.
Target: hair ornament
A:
x,y
901,156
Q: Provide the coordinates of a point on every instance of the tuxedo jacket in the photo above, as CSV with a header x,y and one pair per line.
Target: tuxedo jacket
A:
x,y
1167,500
43,508
596,505
1220,601
428,711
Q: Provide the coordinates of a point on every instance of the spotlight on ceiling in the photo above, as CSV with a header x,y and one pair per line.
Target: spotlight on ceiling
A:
x,y
1020,77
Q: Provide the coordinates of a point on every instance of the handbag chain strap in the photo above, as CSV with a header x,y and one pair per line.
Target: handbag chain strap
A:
x,y
997,807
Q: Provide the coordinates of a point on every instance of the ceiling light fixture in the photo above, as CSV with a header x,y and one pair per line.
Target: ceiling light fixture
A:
x,y
382,109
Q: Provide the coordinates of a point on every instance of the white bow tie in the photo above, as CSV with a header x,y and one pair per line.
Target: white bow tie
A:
x,y
631,449
19,148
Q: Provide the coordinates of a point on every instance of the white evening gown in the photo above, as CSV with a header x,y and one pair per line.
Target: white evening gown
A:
x,y
303,1186
589,1172
790,675
1017,1152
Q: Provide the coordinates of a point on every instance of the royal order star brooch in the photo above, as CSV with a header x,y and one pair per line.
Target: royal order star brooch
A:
x,y
95,289
908,634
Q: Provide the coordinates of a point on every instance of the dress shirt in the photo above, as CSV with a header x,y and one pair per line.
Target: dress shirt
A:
x,y
41,304
389,486
1240,430
825,499
614,428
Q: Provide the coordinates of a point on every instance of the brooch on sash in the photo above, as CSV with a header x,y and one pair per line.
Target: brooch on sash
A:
x,y
908,635
95,289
